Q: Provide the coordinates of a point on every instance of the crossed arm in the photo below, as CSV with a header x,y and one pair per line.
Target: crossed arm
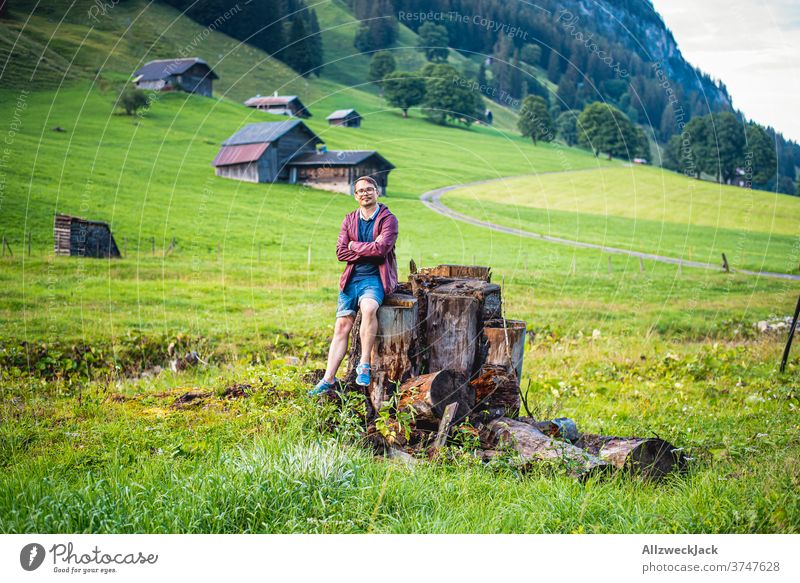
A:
x,y
349,250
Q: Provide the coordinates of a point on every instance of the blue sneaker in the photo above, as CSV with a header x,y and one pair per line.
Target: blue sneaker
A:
x,y
363,378
321,387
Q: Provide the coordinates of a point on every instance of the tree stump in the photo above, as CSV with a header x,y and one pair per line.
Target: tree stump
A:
x,y
503,343
393,357
431,393
458,271
452,332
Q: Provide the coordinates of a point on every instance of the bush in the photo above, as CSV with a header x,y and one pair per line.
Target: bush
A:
x,y
132,100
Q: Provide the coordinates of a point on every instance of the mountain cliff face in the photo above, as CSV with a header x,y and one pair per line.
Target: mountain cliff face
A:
x,y
618,51
639,27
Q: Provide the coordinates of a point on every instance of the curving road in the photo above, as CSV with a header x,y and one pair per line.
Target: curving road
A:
x,y
431,199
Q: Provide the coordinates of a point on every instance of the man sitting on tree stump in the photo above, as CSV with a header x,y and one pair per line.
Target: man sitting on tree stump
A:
x,y
366,243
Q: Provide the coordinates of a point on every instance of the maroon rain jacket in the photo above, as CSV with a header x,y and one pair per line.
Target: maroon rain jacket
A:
x,y
386,225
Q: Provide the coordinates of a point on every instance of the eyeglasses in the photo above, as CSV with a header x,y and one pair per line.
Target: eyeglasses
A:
x,y
368,190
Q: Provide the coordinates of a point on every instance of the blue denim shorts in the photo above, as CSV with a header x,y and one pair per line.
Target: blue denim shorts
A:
x,y
352,294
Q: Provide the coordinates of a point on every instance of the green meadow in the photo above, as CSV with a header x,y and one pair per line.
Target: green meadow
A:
x,y
91,439
646,209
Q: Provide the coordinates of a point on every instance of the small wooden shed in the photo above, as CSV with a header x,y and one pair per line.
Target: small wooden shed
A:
x,y
192,75
348,118
81,238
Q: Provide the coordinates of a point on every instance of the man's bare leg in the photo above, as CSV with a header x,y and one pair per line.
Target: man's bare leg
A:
x,y
369,327
341,332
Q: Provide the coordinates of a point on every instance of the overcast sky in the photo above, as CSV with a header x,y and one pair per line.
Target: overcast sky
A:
x,y
752,46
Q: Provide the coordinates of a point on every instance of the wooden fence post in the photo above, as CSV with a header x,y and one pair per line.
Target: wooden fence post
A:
x,y
791,336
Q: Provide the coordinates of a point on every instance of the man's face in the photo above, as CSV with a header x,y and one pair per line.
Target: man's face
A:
x,y
366,194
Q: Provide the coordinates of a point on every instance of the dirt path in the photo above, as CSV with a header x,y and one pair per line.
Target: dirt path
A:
x,y
431,199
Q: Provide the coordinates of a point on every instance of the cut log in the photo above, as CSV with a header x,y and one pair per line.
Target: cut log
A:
x,y
429,395
497,386
452,332
533,445
648,457
503,344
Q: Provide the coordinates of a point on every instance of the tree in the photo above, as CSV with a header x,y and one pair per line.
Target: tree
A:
x,y
298,52
433,41
568,89
642,147
534,120
729,145
403,90
382,64
132,100
379,27
567,126
554,66
317,58
759,154
531,53
448,96
604,128
533,87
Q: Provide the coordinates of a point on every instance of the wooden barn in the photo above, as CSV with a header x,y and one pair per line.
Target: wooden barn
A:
x,y
279,104
192,75
286,151
259,152
348,118
337,169
81,238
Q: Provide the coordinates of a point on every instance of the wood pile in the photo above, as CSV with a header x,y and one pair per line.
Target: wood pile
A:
x,y
446,353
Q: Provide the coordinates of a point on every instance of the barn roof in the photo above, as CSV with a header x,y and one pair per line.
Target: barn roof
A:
x,y
342,113
268,131
229,155
285,100
163,68
338,158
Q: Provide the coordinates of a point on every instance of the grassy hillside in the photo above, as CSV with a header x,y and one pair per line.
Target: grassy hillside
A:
x,y
151,178
70,46
646,209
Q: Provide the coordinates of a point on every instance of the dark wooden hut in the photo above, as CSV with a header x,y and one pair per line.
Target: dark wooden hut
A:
x,y
337,169
191,75
81,238
348,118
